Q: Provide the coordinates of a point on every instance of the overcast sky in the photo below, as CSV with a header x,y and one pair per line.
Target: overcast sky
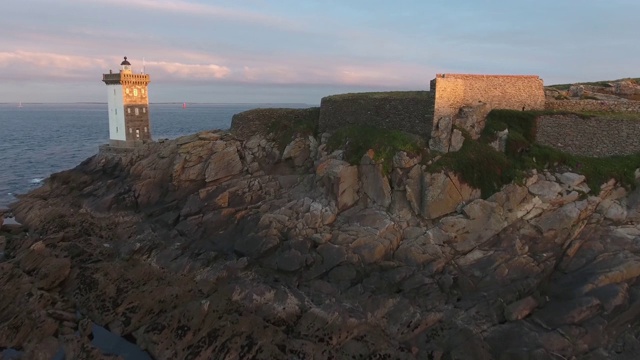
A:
x,y
302,50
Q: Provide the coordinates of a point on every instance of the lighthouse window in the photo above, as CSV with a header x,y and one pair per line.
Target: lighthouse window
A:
x,y
116,129
137,111
130,131
144,110
137,133
142,91
127,91
145,129
114,91
128,110
116,110
135,92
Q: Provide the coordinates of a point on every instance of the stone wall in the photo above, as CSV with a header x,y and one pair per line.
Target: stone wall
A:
x,y
515,92
257,121
597,136
593,105
410,111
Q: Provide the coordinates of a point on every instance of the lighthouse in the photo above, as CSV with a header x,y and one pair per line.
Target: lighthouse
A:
x,y
128,102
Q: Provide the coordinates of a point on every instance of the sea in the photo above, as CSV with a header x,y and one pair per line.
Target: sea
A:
x,y
37,140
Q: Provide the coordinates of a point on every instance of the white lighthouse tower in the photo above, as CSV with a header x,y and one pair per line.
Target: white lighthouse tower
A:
x,y
128,101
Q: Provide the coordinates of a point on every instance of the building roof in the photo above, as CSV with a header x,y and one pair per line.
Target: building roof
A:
x,y
125,62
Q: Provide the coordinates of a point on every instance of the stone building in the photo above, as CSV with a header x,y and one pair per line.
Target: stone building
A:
x,y
128,102
464,100
515,92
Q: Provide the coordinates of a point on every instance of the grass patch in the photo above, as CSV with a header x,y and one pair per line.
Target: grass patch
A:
x,y
356,140
285,129
480,166
523,153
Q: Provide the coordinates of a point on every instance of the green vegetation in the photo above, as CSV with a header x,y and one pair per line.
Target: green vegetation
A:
x,y
478,164
356,140
481,166
604,84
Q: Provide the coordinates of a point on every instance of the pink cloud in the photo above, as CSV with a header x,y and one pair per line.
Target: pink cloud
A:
x,y
188,71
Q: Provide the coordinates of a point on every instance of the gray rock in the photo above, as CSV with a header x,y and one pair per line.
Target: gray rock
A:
x,y
375,184
457,140
341,180
571,179
441,134
443,193
401,160
223,163
545,189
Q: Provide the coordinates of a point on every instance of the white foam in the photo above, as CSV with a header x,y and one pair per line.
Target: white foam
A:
x,y
36,180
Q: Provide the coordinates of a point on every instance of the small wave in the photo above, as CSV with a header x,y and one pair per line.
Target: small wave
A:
x,y
36,180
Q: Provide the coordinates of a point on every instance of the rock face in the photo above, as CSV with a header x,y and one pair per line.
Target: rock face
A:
x,y
209,246
447,135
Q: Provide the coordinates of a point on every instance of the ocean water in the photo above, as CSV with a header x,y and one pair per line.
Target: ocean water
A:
x,y
37,140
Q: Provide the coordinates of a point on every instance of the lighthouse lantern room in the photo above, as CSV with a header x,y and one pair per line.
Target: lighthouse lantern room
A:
x,y
128,104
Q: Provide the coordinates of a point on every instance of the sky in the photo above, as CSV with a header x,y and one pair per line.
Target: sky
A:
x,y
298,51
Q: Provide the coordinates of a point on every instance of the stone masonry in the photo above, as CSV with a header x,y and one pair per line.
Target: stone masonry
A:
x,y
515,92
463,100
596,136
410,111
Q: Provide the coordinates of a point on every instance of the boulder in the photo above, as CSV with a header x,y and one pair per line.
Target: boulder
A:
x,y
374,183
471,118
500,143
401,160
341,180
443,193
571,179
413,188
441,134
545,189
612,210
457,140
520,309
301,150
223,163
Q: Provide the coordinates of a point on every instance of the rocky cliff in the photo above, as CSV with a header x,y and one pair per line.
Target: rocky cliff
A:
x,y
209,246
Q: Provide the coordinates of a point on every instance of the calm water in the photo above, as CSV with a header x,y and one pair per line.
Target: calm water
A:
x,y
40,139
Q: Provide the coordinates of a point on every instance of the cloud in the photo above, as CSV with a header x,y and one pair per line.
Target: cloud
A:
x,y
40,65
203,10
177,70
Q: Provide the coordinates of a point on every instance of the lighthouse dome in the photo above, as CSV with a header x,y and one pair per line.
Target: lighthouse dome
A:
x,y
125,62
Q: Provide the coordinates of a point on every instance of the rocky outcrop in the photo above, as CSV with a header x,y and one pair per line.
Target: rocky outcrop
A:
x,y
211,246
447,134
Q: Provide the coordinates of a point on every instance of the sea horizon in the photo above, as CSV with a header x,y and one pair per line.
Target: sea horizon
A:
x,y
39,139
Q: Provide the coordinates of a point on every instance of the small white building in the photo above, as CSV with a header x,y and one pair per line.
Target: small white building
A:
x,y
128,101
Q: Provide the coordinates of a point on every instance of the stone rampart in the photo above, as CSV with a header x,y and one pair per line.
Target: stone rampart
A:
x,y
595,136
257,121
410,111
515,92
593,106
